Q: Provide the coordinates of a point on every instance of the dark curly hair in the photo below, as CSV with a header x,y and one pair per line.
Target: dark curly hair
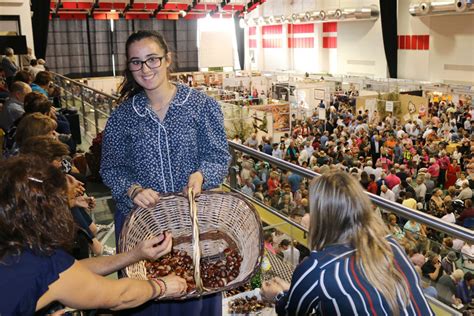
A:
x,y
33,207
129,87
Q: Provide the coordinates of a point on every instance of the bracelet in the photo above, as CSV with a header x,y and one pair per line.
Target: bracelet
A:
x,y
162,284
153,295
135,193
134,190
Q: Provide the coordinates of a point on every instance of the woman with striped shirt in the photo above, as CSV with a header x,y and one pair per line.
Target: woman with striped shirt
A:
x,y
355,267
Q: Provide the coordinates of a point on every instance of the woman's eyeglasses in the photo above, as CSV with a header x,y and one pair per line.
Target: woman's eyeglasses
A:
x,y
152,62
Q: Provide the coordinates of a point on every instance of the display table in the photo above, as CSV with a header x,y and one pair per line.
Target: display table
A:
x,y
267,311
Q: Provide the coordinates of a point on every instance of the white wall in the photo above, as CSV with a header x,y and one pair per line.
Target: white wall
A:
x,y
412,64
451,46
358,43
20,8
360,49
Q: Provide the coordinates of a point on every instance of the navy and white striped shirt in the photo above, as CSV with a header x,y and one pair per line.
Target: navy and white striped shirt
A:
x,y
331,283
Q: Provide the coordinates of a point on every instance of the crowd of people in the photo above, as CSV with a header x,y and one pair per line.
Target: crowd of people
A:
x,y
425,164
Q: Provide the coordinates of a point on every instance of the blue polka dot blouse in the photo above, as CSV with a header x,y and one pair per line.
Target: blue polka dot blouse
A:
x,y
139,149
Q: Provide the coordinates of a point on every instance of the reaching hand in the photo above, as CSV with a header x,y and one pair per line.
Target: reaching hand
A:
x,y
76,187
175,286
146,198
195,182
85,202
271,288
154,248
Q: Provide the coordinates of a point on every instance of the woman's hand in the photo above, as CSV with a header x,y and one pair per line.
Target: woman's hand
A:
x,y
154,248
271,288
85,202
175,286
146,198
195,182
76,186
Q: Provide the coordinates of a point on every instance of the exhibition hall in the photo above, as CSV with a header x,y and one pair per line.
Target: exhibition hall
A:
x,y
236,157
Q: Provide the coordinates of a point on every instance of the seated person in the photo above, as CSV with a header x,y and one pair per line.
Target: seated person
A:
x,y
449,262
427,288
465,288
13,106
446,287
432,268
37,229
53,151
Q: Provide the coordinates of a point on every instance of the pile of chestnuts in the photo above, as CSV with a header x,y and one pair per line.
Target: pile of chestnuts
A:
x,y
247,305
241,289
214,273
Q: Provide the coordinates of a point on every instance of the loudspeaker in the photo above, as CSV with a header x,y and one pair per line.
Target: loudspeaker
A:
x,y
18,43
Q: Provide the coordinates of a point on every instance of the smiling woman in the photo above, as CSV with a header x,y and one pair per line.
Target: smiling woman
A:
x,y
163,138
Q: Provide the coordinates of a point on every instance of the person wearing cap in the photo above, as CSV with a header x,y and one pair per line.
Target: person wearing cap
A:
x,y
449,262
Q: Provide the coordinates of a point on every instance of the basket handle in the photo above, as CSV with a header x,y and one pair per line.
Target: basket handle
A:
x,y
195,242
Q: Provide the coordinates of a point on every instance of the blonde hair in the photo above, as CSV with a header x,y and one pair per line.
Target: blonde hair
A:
x,y
340,212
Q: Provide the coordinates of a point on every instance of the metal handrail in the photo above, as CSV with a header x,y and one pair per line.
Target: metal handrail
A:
x,y
268,209
86,86
400,210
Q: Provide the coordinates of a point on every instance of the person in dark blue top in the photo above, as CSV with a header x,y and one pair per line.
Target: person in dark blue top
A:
x,y
162,138
355,267
465,288
36,230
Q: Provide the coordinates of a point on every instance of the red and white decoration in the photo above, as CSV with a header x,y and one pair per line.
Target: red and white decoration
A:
x,y
414,42
271,36
330,35
301,35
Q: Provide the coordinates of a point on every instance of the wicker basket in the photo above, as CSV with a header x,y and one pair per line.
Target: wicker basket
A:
x,y
224,220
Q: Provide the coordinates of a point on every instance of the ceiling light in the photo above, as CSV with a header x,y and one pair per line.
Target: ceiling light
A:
x,y
183,13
